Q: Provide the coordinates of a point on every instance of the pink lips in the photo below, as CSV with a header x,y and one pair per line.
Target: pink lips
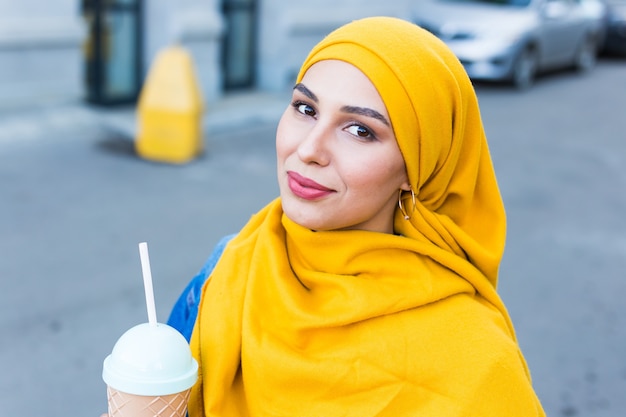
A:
x,y
306,188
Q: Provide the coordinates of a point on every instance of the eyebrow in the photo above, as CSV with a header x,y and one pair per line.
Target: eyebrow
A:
x,y
363,111
301,88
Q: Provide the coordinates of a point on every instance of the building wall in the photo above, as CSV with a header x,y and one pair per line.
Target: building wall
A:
x,y
195,24
42,55
288,30
41,41
40,51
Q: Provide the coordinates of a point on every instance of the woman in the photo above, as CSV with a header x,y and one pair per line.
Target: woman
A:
x,y
369,287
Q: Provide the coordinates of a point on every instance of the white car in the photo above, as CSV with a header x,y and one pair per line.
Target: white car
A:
x,y
513,40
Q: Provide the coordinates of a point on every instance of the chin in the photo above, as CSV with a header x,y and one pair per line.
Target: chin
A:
x,y
304,220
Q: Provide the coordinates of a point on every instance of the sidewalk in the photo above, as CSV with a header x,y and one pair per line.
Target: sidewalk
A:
x,y
39,121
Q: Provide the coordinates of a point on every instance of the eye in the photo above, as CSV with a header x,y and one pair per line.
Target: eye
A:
x,y
304,108
360,131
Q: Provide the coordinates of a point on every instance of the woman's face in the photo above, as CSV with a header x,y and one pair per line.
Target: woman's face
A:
x,y
339,166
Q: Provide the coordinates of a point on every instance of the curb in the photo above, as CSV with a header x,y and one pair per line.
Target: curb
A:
x,y
235,111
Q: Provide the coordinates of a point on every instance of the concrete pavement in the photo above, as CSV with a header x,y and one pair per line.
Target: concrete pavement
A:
x,y
74,203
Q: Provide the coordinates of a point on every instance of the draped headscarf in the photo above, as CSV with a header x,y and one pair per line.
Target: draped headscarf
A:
x,y
355,323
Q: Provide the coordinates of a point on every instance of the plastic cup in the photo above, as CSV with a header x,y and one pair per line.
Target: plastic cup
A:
x,y
149,373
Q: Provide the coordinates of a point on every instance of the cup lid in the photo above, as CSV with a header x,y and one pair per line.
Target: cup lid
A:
x,y
150,360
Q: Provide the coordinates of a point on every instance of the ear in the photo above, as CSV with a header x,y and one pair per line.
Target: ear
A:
x,y
405,186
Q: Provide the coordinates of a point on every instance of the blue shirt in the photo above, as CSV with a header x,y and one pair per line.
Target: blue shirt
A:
x,y
185,310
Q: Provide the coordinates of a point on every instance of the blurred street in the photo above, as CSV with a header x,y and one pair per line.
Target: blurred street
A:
x,y
75,201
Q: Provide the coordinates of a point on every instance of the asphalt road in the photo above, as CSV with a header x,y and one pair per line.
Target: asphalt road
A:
x,y
75,202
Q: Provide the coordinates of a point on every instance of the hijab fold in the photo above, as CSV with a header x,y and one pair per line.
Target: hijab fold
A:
x,y
295,322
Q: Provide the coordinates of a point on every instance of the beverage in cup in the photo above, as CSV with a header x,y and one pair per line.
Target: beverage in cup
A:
x,y
150,370
149,373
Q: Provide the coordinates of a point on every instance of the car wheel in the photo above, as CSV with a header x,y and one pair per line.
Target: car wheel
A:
x,y
586,55
525,69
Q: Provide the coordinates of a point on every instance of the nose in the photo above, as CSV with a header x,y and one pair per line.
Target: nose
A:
x,y
314,147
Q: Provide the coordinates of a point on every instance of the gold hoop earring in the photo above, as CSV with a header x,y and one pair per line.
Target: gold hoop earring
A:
x,y
402,210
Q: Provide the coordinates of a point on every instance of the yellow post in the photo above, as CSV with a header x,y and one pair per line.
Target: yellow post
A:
x,y
170,109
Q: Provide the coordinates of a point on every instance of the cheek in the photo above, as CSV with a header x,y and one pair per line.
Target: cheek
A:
x,y
379,174
285,144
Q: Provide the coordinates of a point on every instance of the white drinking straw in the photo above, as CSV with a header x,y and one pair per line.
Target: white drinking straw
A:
x,y
147,283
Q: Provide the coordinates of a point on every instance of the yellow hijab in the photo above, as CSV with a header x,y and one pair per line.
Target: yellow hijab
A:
x,y
355,323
